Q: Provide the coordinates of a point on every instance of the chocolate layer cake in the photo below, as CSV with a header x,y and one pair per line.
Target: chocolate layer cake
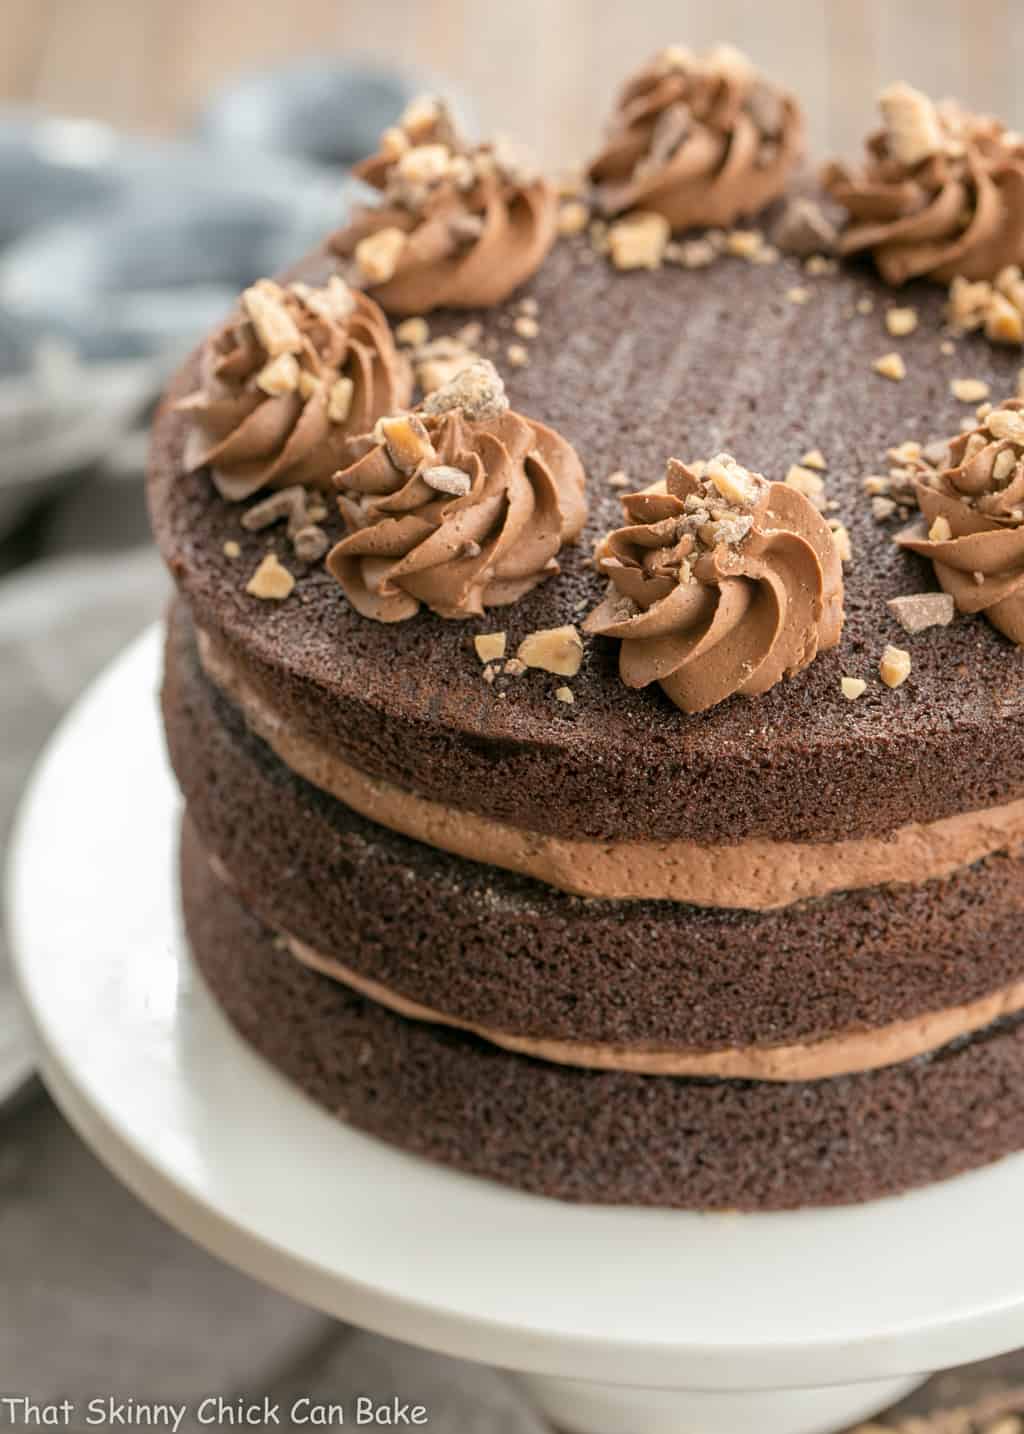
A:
x,y
604,858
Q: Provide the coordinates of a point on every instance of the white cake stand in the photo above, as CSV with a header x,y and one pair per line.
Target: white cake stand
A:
x,y
620,1321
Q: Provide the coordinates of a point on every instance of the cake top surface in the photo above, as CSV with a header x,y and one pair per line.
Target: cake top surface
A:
x,y
628,368
626,346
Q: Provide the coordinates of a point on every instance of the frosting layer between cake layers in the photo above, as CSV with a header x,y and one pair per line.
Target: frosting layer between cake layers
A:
x,y
750,875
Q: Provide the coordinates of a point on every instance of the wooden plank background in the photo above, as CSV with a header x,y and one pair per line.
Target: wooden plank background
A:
x,y
542,70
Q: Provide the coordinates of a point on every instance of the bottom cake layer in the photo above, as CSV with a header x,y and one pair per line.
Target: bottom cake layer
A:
x,y
599,1136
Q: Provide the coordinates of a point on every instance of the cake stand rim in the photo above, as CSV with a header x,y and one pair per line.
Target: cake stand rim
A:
x,y
199,1198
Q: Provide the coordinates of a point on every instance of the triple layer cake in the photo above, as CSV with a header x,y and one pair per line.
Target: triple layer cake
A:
x,y
595,678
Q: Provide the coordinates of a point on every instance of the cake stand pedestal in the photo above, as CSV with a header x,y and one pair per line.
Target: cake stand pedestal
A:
x,y
619,1321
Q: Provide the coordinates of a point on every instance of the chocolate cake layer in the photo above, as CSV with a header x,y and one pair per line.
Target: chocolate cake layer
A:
x,y
632,368
602,1136
507,952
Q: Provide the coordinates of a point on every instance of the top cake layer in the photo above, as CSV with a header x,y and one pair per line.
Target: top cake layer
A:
x,y
632,368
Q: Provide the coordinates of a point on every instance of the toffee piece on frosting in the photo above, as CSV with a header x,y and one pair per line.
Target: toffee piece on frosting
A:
x,y
972,523
286,381
460,505
701,140
458,226
940,193
721,583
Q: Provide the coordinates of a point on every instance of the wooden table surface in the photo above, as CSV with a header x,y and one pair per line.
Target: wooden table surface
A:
x,y
544,71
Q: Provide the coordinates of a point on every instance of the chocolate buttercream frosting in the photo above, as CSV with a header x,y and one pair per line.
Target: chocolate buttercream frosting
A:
x,y
285,383
458,226
972,525
940,193
701,140
461,505
721,583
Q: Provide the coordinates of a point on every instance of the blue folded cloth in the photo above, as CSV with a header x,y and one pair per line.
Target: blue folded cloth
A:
x,y
321,108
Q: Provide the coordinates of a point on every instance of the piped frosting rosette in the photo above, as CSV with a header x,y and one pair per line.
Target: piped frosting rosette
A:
x,y
461,505
972,523
940,193
458,225
700,140
721,583
286,381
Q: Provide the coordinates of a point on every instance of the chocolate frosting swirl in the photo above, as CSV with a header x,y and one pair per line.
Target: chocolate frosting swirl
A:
x,y
459,226
721,583
286,382
973,520
940,194
700,140
462,505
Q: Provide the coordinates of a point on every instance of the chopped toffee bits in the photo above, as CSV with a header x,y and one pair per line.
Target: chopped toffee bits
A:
x,y
743,243
232,549
413,333
1006,424
969,390
940,531
852,687
814,459
526,326
446,479
477,390
798,295
638,241
287,503
749,244
334,302
691,253
996,307
734,482
309,542
841,538
808,482
275,328
279,376
377,255
517,355
573,217
407,442
919,611
901,322
339,399
271,582
564,694
891,366
820,266
865,305
912,124
440,360
618,479
894,668
802,230
490,646
553,649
